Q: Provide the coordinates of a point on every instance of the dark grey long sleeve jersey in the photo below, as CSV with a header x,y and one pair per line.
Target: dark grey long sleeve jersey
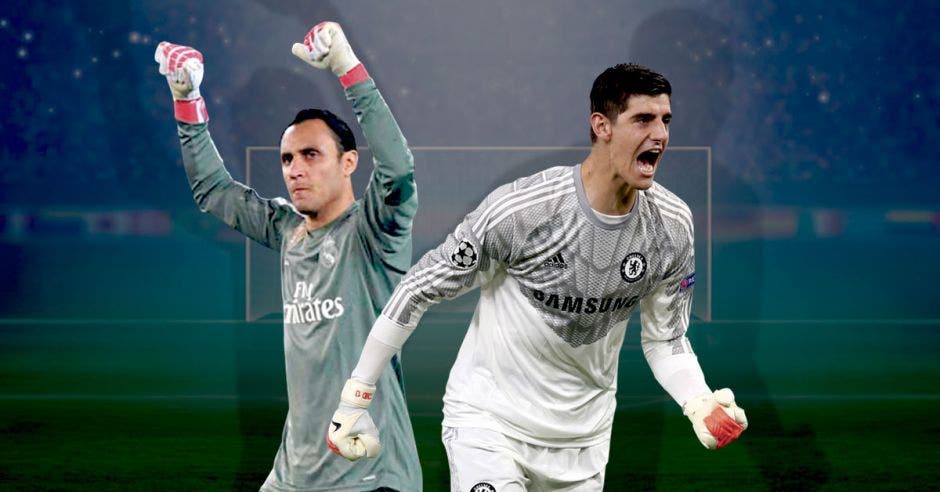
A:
x,y
335,281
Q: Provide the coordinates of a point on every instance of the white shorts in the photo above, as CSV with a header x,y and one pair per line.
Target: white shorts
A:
x,y
482,460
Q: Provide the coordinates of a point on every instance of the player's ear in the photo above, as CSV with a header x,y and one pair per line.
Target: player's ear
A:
x,y
349,160
600,125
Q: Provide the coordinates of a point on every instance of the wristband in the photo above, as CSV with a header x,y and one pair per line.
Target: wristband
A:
x,y
354,76
190,111
357,394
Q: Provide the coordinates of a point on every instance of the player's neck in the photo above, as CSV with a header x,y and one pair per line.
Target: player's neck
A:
x,y
605,189
329,213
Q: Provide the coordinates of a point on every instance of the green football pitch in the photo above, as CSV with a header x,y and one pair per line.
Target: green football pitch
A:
x,y
195,405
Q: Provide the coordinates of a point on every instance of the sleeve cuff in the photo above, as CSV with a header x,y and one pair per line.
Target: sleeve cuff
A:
x,y
373,360
680,375
389,332
354,76
191,111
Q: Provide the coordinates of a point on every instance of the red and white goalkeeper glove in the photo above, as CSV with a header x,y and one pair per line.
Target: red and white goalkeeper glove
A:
x,y
183,68
716,419
325,46
352,432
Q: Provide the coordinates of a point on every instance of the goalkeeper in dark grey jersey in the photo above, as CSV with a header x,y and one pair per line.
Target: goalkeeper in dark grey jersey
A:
x,y
340,258
562,258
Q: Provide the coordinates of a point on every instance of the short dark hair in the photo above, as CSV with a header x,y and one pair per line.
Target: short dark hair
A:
x,y
343,135
613,87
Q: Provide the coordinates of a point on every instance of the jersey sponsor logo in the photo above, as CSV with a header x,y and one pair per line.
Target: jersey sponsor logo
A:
x,y
556,261
483,487
464,256
633,267
306,309
687,282
584,305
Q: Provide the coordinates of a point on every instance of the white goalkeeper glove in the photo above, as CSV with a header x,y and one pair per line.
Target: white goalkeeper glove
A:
x,y
352,432
325,46
716,419
182,66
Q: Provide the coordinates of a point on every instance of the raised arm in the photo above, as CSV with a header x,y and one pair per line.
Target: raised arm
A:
x,y
214,189
390,199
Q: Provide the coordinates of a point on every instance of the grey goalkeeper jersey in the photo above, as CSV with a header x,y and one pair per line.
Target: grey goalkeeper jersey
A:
x,y
539,361
334,282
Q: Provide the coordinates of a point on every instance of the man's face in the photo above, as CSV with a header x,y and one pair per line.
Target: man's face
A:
x,y
638,139
315,170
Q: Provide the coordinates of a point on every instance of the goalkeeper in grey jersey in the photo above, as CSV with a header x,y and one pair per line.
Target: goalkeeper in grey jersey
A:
x,y
562,258
340,258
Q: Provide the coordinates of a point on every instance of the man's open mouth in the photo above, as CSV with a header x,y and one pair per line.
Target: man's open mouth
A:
x,y
646,161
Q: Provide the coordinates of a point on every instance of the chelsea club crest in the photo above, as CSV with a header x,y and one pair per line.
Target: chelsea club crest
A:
x,y
633,267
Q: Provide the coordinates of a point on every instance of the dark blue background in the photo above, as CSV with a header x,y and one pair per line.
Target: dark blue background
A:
x,y
822,118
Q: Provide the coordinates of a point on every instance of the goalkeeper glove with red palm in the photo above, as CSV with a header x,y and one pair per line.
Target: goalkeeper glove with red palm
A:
x,y
716,419
182,66
325,46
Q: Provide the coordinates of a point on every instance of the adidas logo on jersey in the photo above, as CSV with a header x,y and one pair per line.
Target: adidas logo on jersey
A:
x,y
556,261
